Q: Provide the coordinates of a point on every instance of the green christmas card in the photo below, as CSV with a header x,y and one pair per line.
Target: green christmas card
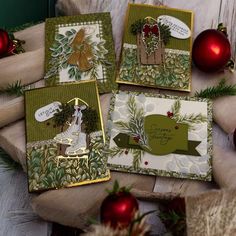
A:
x,y
156,49
160,135
80,48
65,136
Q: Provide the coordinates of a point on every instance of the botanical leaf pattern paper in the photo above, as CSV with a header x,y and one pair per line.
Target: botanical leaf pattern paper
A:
x,y
65,137
127,118
80,48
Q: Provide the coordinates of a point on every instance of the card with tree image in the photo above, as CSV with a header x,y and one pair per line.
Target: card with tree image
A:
x,y
80,48
157,46
160,135
65,136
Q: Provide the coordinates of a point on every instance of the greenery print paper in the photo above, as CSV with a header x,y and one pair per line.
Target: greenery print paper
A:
x,y
160,135
175,70
64,137
80,48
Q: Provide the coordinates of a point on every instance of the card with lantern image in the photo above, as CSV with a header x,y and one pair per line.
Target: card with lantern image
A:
x,y
157,46
80,48
65,137
160,135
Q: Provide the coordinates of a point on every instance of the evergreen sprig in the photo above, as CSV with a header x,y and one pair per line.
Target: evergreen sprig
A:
x,y
64,112
13,89
222,89
6,163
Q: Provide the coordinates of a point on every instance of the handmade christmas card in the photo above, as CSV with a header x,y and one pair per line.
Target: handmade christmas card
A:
x,y
156,49
160,135
65,136
80,48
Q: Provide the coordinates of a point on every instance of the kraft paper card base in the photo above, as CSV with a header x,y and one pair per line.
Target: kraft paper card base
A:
x,y
160,135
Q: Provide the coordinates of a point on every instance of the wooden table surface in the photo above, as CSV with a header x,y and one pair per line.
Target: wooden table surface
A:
x,y
13,197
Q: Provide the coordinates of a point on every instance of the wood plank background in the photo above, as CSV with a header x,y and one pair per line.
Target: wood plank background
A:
x,y
13,193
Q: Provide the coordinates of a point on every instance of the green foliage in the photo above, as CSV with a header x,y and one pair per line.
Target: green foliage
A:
x,y
137,157
175,73
175,222
63,114
117,189
44,172
61,50
222,89
14,89
137,26
135,126
190,120
165,33
6,162
90,119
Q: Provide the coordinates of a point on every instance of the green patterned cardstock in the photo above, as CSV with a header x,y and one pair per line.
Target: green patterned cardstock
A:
x,y
79,48
65,136
160,135
157,46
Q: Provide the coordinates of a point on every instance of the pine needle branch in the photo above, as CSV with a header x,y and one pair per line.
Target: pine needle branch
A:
x,y
222,89
14,89
6,163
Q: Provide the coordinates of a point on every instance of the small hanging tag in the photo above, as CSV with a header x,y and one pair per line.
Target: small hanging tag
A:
x,y
178,28
47,112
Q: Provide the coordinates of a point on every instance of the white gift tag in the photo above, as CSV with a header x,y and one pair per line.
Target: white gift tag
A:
x,y
178,28
46,112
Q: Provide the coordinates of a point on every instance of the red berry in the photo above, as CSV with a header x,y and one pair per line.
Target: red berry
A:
x,y
170,114
136,138
126,152
118,209
146,163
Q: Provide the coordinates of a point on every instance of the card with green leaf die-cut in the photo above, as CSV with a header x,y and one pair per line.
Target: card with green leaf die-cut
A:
x,y
157,45
65,136
79,48
160,135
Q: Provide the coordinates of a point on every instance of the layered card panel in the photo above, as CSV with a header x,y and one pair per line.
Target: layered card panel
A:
x,y
80,48
156,49
65,137
160,135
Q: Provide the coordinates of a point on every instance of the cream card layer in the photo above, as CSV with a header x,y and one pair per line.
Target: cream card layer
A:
x,y
65,136
160,135
80,48
156,49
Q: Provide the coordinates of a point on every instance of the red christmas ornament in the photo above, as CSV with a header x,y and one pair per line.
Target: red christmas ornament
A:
x,y
118,208
211,50
4,42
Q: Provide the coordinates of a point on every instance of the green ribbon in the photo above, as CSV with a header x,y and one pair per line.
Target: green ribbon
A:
x,y
123,141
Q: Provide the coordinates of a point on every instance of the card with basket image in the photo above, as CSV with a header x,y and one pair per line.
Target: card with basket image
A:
x,y
156,49
65,136
79,48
